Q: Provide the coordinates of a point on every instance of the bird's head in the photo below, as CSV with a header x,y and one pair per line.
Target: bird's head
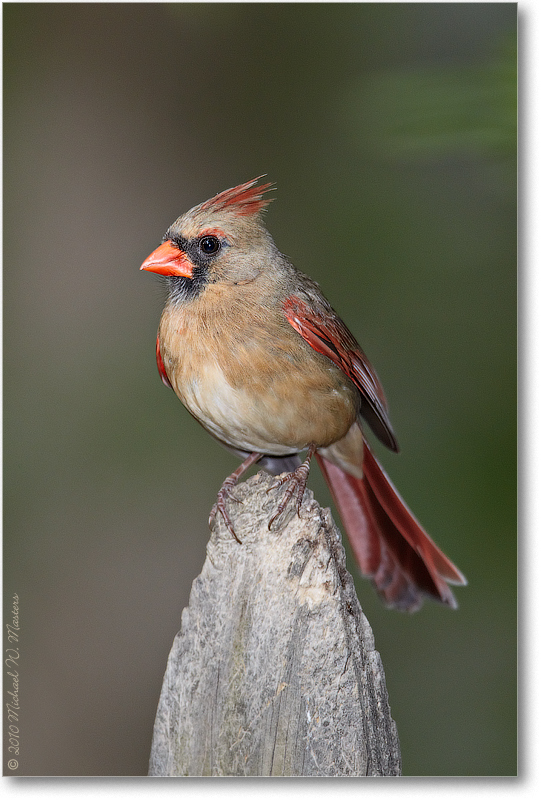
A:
x,y
222,239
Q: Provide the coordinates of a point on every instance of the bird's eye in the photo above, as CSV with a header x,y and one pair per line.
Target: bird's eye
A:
x,y
209,245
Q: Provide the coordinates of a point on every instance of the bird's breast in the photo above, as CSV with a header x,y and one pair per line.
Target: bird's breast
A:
x,y
254,383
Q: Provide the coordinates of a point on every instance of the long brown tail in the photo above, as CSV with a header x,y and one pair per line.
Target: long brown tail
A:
x,y
387,541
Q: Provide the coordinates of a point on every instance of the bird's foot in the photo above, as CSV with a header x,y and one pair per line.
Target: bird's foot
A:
x,y
220,506
297,481
226,493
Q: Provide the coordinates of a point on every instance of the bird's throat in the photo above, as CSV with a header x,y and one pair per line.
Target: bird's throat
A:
x,y
183,289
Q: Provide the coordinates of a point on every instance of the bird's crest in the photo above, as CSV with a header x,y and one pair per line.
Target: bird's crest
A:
x,y
244,200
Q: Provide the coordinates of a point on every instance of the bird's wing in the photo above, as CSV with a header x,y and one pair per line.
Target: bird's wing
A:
x,y
159,362
323,329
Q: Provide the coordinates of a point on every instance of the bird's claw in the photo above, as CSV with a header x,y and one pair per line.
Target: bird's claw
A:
x,y
297,484
226,492
220,506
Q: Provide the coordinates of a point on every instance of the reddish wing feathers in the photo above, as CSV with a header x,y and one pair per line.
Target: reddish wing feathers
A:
x,y
388,542
244,200
327,334
159,361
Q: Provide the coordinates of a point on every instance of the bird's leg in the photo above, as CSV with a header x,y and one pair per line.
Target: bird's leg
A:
x,y
297,483
225,492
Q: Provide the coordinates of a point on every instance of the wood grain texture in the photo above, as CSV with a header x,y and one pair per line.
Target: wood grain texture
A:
x,y
274,671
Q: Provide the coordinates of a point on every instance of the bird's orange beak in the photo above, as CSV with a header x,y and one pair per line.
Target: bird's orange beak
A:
x,y
169,260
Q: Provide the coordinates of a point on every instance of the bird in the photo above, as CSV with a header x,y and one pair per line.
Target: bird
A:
x,y
261,360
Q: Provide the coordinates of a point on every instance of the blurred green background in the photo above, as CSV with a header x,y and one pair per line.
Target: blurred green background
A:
x,y
390,132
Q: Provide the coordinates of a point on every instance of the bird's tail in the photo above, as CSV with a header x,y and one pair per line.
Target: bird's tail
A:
x,y
389,544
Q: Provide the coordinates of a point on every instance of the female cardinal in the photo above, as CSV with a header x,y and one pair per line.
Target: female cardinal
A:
x,y
258,356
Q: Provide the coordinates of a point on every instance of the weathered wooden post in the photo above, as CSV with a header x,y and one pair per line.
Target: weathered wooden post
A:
x,y
274,671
